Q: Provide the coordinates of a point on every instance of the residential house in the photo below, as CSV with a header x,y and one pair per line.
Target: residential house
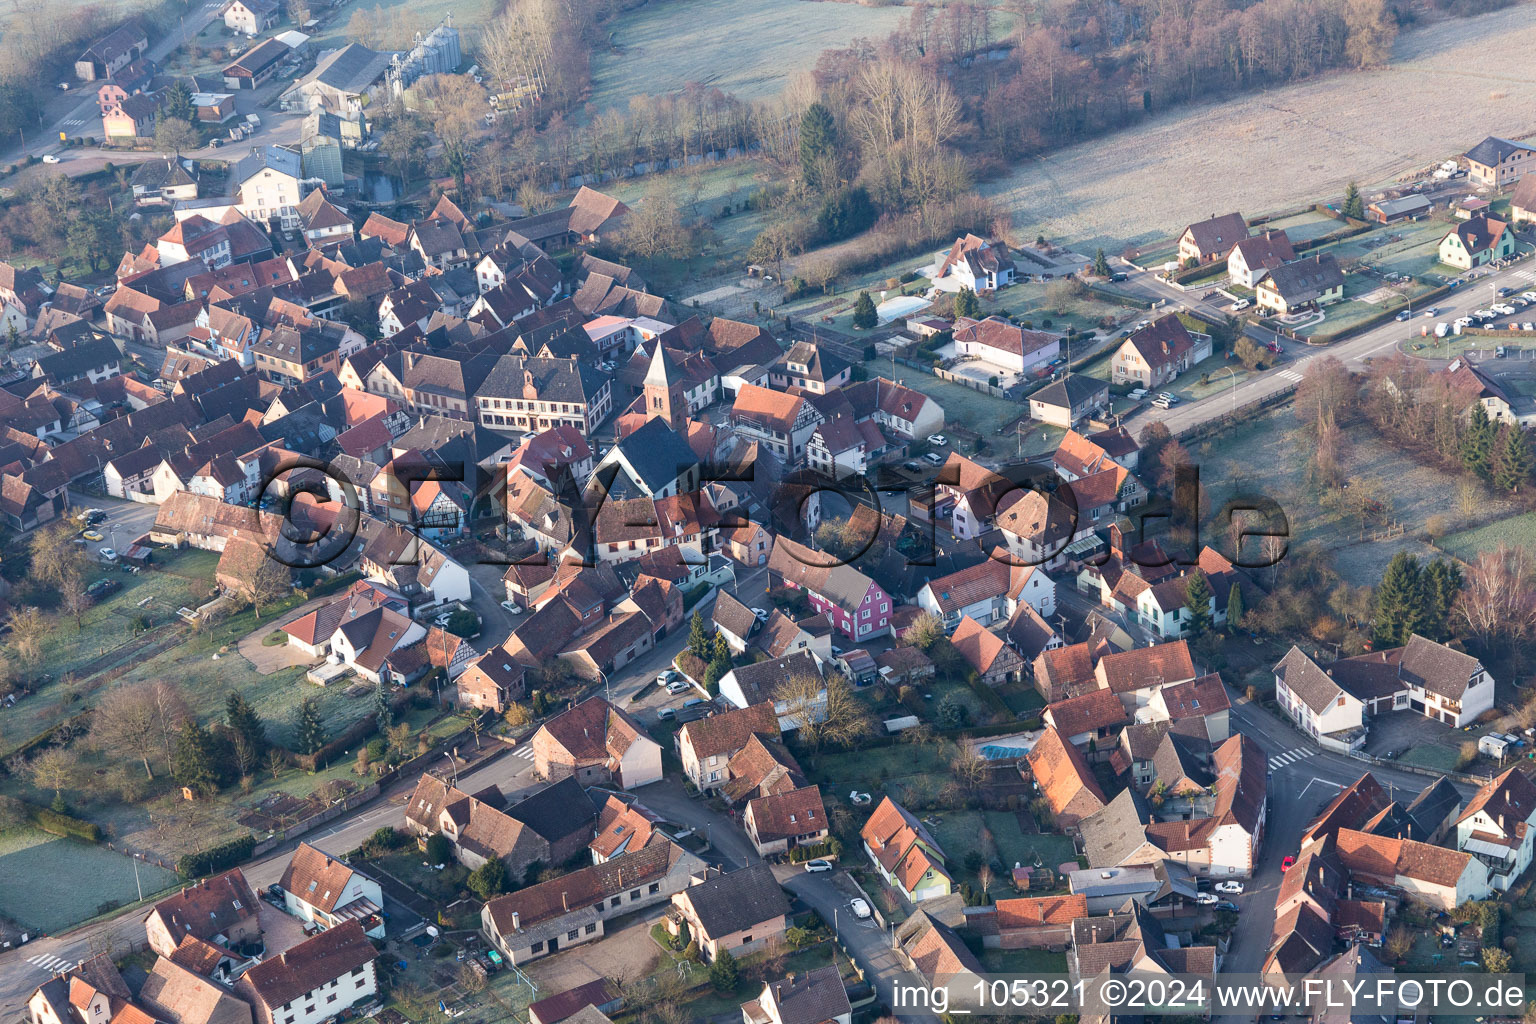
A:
x,y
1314,700
1432,875
313,981
706,745
1070,400
563,912
1499,827
549,827
1252,256
1159,352
251,17
781,821
267,184
988,592
992,661
1065,780
327,893
749,685
1090,721
114,51
492,682
1003,344
597,743
1036,922
975,263
221,909
176,995
814,997
162,182
905,854
1210,240
780,422
1309,282
738,912
1476,242
857,606
1499,162
939,956
968,494
1522,202
807,367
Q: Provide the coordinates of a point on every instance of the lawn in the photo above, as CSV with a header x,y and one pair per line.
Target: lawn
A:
x,y
747,48
1516,531
1302,227
869,770
1434,756
996,834
40,880
1023,962
975,410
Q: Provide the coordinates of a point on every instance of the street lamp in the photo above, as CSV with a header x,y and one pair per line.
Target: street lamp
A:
x,y
453,765
1232,390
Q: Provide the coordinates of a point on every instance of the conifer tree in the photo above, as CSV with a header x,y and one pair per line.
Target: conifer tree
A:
x,y
1234,608
1399,602
1477,445
311,730
864,316
1197,598
1512,468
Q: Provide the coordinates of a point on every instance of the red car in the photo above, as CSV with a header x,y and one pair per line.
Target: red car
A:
x,y
1285,865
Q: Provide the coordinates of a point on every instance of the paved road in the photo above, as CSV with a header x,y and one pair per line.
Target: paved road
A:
x,y
1303,779
1353,353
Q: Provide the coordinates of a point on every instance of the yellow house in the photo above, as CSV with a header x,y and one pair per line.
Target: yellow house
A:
x,y
1477,241
1316,281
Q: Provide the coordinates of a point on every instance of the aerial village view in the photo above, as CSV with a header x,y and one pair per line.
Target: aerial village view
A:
x,y
666,511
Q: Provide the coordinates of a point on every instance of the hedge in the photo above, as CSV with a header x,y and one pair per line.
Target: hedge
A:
x,y
832,847
216,858
64,825
329,586
1119,298
1377,319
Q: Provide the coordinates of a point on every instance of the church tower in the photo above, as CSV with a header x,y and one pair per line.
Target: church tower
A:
x,y
665,391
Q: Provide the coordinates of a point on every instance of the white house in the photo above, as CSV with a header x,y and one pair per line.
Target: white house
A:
x,y
268,186
321,890
1499,827
1315,702
987,592
753,684
313,981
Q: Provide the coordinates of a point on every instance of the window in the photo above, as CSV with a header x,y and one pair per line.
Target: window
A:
x,y
357,972
331,998
746,939
634,894
655,888
538,947
591,928
572,935
615,901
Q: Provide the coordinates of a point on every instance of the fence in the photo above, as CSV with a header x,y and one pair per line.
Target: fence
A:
x,y
970,382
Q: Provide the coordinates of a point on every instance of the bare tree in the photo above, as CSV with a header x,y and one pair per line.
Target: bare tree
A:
x,y
55,555
985,876
28,627
131,720
825,711
1498,596
55,768
968,767
275,762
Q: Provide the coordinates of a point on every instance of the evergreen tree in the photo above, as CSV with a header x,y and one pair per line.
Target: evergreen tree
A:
x,y
1234,608
243,720
967,304
1477,444
1354,206
1513,466
818,142
1441,583
1101,264
864,312
178,103
722,649
1197,598
311,730
489,879
723,974
383,711
699,643
193,760
1399,602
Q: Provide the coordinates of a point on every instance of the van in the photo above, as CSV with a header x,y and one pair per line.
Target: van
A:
x,y
1138,394
1441,329
693,702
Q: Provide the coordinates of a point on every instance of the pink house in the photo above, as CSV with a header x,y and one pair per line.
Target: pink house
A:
x,y
856,604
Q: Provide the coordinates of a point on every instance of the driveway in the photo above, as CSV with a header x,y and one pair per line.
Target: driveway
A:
x,y
267,660
729,845
626,953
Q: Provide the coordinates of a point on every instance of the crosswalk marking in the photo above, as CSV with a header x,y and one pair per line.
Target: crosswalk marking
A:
x,y
1289,375
1529,275
526,753
73,121
1289,756
50,963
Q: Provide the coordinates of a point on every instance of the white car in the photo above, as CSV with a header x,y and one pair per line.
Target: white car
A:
x,y
860,908
1528,295
818,865
1528,326
761,613
513,607
1205,899
108,554
938,440
1232,888
49,158
934,459
1161,403
679,686
1241,304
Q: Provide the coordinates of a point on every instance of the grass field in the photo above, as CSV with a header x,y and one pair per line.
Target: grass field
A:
x,y
1302,227
40,878
1266,150
1514,530
748,48
980,412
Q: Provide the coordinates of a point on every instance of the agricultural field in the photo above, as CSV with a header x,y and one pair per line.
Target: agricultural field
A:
x,y
40,879
748,48
1445,88
1514,530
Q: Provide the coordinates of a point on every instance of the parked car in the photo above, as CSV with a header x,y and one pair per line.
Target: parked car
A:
x,y
934,459
1285,865
1529,295
679,686
108,554
1228,906
911,467
814,866
693,702
101,588
938,440
1233,887
666,676
667,714
761,613
49,158
1117,277
1161,403
1137,394
512,607
1206,899
859,907
91,535
1241,304
1170,396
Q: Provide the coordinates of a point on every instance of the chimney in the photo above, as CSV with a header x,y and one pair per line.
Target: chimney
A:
x,y
517,924
565,901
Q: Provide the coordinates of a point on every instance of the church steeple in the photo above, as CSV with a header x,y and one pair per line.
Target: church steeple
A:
x,y
665,390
